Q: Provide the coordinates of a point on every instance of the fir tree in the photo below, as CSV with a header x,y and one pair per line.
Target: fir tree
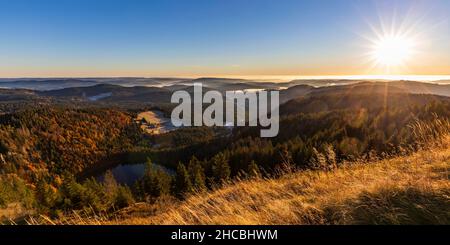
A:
x,y
220,168
156,182
183,182
197,174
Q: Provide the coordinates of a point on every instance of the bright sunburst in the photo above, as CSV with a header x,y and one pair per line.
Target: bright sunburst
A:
x,y
393,46
392,50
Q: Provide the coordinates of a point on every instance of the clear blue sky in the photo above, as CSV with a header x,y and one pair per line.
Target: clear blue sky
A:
x,y
207,37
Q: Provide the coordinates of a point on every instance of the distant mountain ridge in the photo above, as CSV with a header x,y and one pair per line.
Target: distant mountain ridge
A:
x,y
159,90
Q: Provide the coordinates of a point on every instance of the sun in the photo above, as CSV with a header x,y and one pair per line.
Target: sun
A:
x,y
392,50
394,44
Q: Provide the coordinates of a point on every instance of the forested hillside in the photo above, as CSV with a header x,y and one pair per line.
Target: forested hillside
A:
x,y
44,148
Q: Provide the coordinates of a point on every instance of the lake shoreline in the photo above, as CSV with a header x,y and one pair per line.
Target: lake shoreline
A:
x,y
117,160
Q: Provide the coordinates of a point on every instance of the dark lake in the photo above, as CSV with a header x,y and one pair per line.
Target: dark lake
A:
x,y
127,174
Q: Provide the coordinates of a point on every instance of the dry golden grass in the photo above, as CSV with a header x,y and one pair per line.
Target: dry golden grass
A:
x,y
14,211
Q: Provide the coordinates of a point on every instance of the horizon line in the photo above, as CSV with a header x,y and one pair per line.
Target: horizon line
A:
x,y
257,77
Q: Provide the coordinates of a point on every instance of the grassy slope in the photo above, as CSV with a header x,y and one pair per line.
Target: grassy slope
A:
x,y
413,189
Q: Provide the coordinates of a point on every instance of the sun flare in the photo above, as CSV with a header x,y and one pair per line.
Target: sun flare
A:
x,y
395,46
392,50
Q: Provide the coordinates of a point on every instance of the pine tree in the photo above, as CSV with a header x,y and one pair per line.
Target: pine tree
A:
x,y
183,183
220,168
94,195
72,193
45,195
197,174
156,181
124,197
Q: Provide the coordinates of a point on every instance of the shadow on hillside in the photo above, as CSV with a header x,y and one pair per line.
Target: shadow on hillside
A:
x,y
410,206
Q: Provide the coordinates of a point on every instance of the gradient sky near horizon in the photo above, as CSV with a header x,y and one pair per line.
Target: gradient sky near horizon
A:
x,y
85,38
